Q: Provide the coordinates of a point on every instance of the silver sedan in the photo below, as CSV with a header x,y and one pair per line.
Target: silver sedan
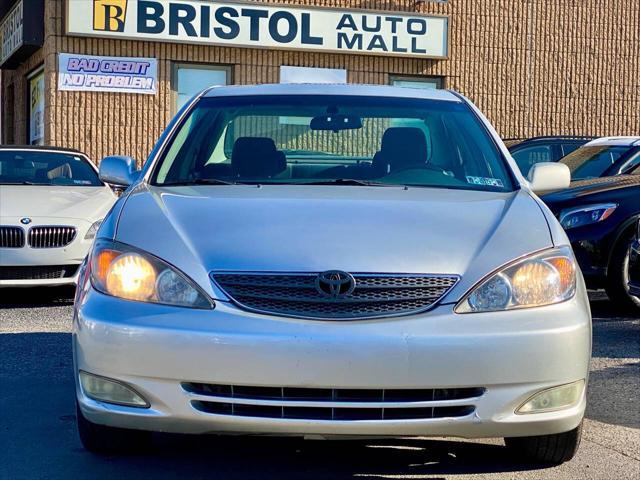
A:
x,y
332,261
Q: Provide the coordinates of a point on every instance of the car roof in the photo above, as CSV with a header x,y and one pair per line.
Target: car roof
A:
x,y
615,141
333,89
41,148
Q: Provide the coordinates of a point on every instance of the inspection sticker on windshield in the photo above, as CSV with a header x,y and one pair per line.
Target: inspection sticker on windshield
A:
x,y
489,182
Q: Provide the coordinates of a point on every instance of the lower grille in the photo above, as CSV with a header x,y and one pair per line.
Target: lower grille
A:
x,y
336,413
333,394
48,272
331,403
51,236
11,237
298,295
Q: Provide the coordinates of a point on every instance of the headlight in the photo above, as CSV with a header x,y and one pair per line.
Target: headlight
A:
x,y
541,279
126,272
581,216
93,229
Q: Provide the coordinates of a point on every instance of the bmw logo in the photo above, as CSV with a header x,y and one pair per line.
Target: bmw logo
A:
x,y
25,221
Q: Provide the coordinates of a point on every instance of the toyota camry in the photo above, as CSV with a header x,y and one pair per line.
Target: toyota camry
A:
x,y
332,261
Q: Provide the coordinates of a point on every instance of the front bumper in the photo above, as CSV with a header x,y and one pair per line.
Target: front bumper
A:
x,y
512,355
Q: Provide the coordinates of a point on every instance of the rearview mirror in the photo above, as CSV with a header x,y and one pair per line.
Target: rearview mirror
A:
x,y
118,170
336,122
548,176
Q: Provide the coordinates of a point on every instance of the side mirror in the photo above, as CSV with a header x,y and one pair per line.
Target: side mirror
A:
x,y
549,176
118,170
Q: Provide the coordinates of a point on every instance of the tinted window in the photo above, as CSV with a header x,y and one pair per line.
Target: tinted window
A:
x,y
568,148
632,163
529,156
592,162
310,139
46,168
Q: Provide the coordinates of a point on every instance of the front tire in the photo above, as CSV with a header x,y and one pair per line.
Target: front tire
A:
x,y
102,439
547,449
617,285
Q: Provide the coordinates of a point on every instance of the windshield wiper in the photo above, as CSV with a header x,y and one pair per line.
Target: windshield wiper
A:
x,y
24,182
199,181
348,181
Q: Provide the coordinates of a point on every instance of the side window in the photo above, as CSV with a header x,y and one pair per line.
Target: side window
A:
x,y
568,148
529,156
632,166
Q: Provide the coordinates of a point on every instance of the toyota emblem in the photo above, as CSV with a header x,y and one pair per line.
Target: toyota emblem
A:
x,y
335,284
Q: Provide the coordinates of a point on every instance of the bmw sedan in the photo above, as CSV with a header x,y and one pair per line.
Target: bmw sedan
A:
x,y
332,261
51,204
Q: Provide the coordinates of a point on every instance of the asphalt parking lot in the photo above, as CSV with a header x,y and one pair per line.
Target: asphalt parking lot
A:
x,y
38,437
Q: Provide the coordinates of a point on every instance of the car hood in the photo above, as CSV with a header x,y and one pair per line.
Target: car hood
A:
x,y
583,188
317,228
42,201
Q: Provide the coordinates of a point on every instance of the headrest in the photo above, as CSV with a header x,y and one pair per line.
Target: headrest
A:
x,y
404,146
257,157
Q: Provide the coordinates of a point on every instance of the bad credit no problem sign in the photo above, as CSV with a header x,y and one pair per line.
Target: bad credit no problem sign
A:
x,y
263,26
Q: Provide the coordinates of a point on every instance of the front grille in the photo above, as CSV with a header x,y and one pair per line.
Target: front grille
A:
x,y
11,237
296,295
51,236
47,272
331,404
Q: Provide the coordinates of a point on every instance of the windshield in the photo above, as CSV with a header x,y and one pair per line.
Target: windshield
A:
x,y
592,162
23,167
333,140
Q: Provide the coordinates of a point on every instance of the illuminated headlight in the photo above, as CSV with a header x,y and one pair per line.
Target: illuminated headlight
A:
x,y
579,217
556,398
126,272
111,391
541,279
93,229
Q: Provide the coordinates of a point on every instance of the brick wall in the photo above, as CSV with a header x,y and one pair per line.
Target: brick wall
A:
x,y
15,98
533,66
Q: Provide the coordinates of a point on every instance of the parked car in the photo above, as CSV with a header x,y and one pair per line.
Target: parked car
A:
x,y
528,152
634,265
599,216
332,260
51,204
605,157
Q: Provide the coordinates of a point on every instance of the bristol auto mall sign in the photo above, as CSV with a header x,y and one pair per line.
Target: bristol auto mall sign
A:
x,y
262,26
